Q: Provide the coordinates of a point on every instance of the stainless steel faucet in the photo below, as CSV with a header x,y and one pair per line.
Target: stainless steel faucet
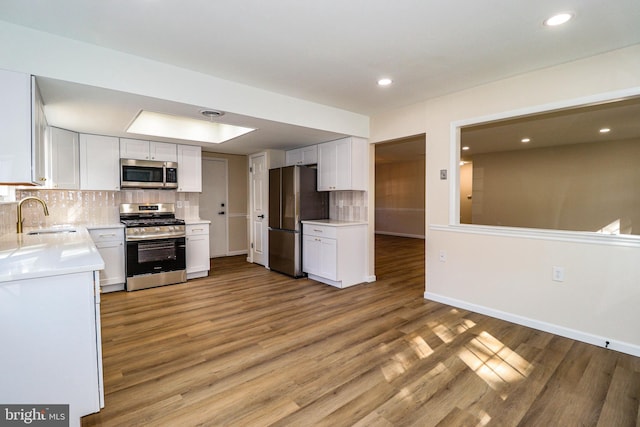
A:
x,y
20,219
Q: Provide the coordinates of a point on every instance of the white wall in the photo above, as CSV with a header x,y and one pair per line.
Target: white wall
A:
x,y
508,274
34,52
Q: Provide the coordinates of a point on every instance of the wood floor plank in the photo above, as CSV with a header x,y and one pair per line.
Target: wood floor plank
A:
x,y
249,347
623,397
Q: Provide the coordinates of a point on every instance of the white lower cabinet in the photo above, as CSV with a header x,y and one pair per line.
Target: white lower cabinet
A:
x,y
52,348
197,250
334,252
110,244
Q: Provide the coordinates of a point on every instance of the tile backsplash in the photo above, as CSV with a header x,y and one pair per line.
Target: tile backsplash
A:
x,y
89,207
8,218
101,207
348,205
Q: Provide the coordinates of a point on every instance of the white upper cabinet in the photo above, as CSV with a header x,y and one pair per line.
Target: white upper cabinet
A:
x,y
99,162
147,150
343,165
302,156
163,151
15,128
189,168
64,159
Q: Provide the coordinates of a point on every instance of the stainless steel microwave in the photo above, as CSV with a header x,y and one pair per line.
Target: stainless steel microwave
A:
x,y
148,174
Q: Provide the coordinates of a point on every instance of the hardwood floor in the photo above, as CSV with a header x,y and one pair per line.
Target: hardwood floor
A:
x,y
249,347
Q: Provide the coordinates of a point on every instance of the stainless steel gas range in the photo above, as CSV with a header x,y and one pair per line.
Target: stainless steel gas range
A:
x,y
156,249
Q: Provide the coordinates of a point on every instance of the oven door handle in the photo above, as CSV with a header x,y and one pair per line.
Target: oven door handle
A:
x,y
154,237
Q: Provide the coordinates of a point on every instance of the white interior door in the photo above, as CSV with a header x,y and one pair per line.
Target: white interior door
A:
x,y
259,209
214,204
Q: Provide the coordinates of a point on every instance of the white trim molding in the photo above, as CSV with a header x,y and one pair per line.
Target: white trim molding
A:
x,y
542,234
562,331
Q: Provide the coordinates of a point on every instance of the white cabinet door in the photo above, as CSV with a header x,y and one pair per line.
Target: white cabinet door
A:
x,y
163,151
343,164
197,252
309,155
134,149
15,128
64,159
113,255
311,248
189,168
329,259
110,244
293,157
99,162
40,172
327,166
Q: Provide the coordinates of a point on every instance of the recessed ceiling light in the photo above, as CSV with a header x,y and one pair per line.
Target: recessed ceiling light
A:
x,y
465,148
525,140
558,19
605,130
176,127
384,82
210,114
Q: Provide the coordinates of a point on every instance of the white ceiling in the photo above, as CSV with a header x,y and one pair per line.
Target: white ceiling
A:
x,y
333,51
563,127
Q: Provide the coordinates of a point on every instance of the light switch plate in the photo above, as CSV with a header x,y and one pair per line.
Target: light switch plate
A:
x,y
443,174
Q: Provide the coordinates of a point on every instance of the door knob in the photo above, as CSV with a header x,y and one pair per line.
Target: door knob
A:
x,y
261,216
221,213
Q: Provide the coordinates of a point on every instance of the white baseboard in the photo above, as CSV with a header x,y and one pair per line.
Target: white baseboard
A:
x,y
370,279
389,233
562,331
241,252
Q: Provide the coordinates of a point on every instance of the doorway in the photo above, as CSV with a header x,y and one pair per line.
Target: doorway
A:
x,y
214,204
400,187
400,202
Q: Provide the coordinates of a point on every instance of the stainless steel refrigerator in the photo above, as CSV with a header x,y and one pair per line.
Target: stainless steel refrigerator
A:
x,y
292,198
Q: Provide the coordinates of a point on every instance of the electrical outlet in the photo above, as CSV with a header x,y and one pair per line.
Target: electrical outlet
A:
x,y
557,274
443,256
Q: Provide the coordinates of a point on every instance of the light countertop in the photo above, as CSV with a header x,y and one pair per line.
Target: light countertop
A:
x,y
196,221
24,256
333,222
104,226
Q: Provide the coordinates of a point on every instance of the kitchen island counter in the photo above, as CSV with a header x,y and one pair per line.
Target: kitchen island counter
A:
x,y
25,256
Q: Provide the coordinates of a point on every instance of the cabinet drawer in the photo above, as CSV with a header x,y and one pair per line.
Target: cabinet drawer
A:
x,y
197,229
107,234
320,231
